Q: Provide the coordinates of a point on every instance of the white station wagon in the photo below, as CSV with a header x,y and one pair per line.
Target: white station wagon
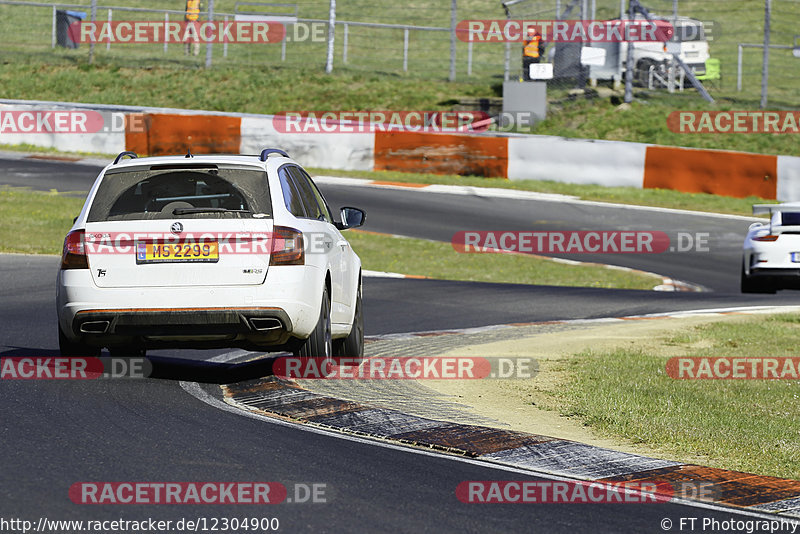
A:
x,y
206,252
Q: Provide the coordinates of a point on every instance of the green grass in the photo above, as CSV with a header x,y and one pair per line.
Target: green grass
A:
x,y
231,88
254,79
36,222
439,260
745,425
26,29
646,122
225,88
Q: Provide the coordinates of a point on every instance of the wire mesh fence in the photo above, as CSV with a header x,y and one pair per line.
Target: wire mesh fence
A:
x,y
415,40
734,39
416,44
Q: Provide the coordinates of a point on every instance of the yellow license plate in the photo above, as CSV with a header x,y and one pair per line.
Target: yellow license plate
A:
x,y
207,251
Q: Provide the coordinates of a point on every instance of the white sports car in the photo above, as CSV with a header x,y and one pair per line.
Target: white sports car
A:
x,y
771,258
208,252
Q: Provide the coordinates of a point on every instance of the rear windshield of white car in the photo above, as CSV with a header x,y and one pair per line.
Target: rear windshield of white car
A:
x,y
790,218
170,191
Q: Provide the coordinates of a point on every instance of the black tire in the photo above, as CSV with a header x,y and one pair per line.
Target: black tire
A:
x,y
353,345
319,344
68,347
753,285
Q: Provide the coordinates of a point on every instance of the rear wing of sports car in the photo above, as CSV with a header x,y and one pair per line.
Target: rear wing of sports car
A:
x,y
771,209
760,209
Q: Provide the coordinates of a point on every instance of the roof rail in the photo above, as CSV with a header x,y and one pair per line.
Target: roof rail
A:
x,y
267,151
121,155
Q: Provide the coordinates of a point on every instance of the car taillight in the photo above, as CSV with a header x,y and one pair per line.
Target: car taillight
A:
x,y
74,254
287,247
768,237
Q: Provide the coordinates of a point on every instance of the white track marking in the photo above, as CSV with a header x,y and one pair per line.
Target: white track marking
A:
x,y
666,315
194,389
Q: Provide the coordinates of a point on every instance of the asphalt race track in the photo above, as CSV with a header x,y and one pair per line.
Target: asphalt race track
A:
x,y
56,433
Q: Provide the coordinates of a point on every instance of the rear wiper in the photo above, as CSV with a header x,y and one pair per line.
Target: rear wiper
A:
x,y
185,211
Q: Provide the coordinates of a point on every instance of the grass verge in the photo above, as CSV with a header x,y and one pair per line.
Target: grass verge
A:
x,y
744,425
664,198
64,76
36,222
432,259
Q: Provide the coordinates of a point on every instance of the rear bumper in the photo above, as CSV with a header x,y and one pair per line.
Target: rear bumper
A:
x,y
268,325
179,320
785,278
260,316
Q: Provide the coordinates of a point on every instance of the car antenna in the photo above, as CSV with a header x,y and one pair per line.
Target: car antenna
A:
x,y
188,153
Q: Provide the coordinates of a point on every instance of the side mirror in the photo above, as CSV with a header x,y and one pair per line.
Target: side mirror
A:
x,y
351,218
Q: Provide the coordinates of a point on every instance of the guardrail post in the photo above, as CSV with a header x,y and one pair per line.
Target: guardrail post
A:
x,y
331,36
94,18
629,62
453,23
405,49
225,42
53,36
283,42
507,63
209,44
344,44
765,60
469,58
108,44
739,69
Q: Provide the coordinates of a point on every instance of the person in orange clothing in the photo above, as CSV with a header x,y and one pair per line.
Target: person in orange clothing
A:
x,y
191,17
532,52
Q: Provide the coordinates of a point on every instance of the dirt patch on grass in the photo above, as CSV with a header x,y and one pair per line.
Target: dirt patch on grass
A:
x,y
532,405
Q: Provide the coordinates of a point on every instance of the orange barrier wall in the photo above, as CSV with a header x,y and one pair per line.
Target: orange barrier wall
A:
x,y
175,134
441,153
733,174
